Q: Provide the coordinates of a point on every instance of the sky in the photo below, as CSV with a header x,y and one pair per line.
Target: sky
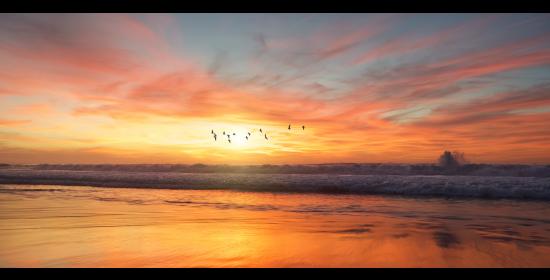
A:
x,y
149,88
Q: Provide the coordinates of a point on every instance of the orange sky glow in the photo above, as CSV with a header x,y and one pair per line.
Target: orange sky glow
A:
x,y
114,88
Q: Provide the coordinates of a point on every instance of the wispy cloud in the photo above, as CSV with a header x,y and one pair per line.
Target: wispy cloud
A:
x,y
126,84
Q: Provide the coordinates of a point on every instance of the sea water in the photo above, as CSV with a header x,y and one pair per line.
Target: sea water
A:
x,y
75,226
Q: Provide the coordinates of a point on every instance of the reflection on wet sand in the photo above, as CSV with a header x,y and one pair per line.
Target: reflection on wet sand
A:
x,y
55,226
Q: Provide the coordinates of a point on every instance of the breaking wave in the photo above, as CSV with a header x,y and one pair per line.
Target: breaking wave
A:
x,y
407,185
513,170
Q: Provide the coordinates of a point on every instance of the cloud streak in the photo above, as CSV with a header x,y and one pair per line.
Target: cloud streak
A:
x,y
133,90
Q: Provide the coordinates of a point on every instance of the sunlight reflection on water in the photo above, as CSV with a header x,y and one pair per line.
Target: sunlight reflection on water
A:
x,y
63,226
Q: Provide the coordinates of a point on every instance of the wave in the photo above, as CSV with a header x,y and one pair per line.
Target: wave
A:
x,y
409,185
513,170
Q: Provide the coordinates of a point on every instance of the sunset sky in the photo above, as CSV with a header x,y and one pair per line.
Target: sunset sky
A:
x,y
115,88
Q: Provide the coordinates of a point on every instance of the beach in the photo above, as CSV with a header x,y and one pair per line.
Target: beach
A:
x,y
79,226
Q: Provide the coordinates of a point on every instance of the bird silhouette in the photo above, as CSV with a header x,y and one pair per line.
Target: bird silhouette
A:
x,y
224,133
212,132
233,133
289,127
215,137
249,134
303,127
266,136
229,141
246,137
261,130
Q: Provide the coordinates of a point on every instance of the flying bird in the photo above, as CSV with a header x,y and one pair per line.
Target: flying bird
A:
x,y
289,127
233,133
303,127
261,130
229,141
266,136
224,133
246,137
249,134
215,137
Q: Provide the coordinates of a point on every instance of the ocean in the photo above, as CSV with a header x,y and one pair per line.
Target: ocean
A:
x,y
51,225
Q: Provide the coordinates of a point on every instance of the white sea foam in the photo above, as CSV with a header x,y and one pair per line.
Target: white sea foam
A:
x,y
416,185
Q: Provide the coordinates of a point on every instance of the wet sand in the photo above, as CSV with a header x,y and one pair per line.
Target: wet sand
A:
x,y
70,226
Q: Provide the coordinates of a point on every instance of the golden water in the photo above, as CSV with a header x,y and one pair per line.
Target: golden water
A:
x,y
60,226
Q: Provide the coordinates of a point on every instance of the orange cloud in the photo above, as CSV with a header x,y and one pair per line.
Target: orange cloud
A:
x,y
5,122
130,97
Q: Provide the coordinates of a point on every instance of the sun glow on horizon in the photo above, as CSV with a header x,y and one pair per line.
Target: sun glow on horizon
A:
x,y
118,88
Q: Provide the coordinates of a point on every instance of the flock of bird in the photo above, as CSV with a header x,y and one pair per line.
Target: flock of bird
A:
x,y
215,135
